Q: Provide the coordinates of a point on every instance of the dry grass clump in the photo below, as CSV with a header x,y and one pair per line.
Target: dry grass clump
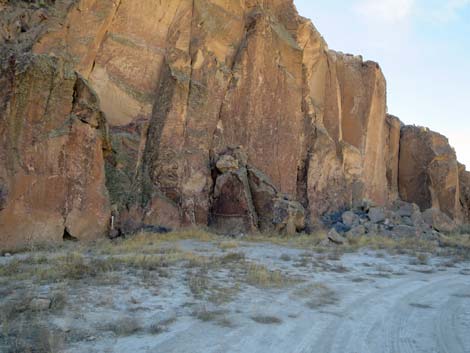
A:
x,y
259,276
151,262
456,246
303,241
394,245
72,266
420,259
285,257
223,295
124,326
233,257
217,315
77,266
317,295
24,327
161,326
59,300
267,319
198,283
204,287
230,244
149,243
465,229
32,337
458,241
11,269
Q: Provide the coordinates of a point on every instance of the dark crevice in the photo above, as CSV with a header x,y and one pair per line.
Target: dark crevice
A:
x,y
68,237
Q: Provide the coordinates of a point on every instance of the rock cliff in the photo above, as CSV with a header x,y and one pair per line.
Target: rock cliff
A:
x,y
124,113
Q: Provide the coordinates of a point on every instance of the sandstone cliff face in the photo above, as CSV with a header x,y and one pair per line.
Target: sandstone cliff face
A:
x,y
51,155
428,171
179,82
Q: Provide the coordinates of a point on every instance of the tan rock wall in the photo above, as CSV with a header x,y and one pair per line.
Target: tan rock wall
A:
x,y
428,171
51,156
209,74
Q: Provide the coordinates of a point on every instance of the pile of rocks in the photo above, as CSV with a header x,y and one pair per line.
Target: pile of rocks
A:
x,y
400,220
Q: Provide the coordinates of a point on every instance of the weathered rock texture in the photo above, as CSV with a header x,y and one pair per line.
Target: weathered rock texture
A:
x,y
464,184
179,82
53,137
429,172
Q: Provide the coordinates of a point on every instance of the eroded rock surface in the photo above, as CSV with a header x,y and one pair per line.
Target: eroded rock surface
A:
x,y
429,172
52,148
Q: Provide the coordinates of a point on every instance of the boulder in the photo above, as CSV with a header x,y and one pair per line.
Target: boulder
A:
x,y
407,221
264,194
341,227
405,231
232,210
417,219
405,209
288,216
439,221
276,211
372,228
335,238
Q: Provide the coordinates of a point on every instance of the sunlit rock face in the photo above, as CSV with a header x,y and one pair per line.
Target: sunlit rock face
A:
x,y
120,108
429,172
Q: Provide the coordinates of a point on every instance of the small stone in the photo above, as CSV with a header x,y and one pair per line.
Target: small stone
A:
x,y
417,218
405,209
350,219
392,218
40,304
376,214
7,254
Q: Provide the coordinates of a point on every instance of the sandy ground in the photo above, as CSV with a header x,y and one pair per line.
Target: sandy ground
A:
x,y
359,303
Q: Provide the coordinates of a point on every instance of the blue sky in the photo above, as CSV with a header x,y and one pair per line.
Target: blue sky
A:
x,y
423,47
